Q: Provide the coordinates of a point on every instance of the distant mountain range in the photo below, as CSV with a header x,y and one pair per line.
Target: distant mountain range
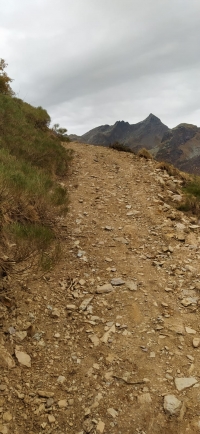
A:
x,y
179,146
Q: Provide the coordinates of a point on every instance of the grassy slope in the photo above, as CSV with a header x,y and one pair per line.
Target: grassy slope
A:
x,y
31,162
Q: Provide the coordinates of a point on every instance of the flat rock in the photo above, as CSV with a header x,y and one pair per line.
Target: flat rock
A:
x,y
190,331
83,306
172,405
117,281
104,289
184,383
23,358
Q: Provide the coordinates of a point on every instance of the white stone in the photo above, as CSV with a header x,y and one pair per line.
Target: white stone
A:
x,y
104,289
184,383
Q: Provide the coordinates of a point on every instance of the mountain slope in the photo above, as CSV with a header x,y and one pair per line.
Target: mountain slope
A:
x,y
146,133
179,146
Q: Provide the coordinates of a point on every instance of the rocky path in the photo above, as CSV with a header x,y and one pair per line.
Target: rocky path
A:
x,y
109,341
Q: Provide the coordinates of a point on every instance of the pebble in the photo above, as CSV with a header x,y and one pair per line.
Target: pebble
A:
x,y
190,331
104,289
131,285
45,394
51,418
100,427
83,306
196,342
112,412
62,403
61,379
23,358
172,405
55,313
117,281
7,416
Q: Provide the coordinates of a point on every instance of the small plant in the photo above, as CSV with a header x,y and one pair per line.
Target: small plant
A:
x,y
144,153
191,190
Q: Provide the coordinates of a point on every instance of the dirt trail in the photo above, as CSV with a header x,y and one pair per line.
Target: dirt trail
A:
x,y
112,330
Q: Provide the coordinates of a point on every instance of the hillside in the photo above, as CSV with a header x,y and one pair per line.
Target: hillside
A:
x,y
179,146
108,342
32,163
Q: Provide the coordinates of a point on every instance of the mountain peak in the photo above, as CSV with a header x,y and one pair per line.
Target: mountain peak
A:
x,y
152,118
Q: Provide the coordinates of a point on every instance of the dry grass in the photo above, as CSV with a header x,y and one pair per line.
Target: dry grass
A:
x,y
144,153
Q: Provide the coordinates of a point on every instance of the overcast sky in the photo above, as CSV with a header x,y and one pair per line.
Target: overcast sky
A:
x,y
93,62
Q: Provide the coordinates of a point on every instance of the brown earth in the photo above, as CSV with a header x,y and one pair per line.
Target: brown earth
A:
x,y
103,362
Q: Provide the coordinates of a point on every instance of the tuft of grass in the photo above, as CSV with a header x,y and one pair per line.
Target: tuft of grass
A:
x,y
121,147
172,171
144,153
191,190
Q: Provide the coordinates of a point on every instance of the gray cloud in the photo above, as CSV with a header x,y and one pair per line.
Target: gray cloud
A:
x,y
90,63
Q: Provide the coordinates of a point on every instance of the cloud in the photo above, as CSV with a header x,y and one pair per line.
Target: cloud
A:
x,y
90,63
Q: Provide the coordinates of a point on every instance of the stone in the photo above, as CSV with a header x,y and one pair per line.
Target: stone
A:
x,y
100,427
45,394
172,405
88,425
104,289
6,361
144,398
83,306
112,412
49,402
131,285
106,335
182,383
117,281
196,342
62,403
7,416
108,228
23,358
190,331
21,335
94,339
3,429
71,307
51,418
61,379
55,313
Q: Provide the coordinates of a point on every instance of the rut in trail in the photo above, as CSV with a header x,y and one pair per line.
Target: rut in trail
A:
x,y
113,331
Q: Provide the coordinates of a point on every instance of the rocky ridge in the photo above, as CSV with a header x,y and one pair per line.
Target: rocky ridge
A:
x,y
108,342
179,146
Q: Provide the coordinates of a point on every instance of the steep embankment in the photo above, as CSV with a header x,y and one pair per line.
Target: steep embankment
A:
x,y
113,331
